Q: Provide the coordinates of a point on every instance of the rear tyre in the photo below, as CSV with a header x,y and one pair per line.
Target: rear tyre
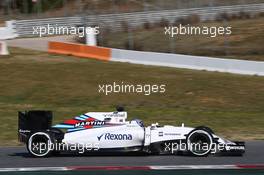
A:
x,y
199,142
39,144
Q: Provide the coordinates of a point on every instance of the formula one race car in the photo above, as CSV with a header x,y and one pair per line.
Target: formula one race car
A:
x,y
109,132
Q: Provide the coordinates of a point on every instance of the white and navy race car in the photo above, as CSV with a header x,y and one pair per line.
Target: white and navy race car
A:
x,y
110,132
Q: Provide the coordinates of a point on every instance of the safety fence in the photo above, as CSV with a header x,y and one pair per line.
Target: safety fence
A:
x,y
117,21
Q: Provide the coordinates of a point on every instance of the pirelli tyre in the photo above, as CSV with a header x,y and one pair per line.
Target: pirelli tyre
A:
x,y
199,142
39,144
206,129
155,148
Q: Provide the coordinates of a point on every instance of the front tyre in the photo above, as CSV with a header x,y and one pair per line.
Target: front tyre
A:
x,y
40,144
199,142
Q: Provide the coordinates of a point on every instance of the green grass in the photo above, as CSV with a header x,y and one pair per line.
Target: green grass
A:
x,y
245,42
233,105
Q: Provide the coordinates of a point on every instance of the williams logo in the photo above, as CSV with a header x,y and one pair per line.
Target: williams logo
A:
x,y
109,136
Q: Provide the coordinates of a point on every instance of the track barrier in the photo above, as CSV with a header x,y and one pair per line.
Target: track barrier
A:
x,y
80,50
3,48
234,66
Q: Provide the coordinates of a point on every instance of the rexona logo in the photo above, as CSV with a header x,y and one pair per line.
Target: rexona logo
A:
x,y
109,136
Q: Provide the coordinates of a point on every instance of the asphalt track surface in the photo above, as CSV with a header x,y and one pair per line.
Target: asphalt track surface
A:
x,y
11,157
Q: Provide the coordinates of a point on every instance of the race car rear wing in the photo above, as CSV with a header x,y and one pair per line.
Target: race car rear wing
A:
x,y
32,121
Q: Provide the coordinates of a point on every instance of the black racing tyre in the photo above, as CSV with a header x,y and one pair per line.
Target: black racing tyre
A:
x,y
155,148
206,129
40,143
199,142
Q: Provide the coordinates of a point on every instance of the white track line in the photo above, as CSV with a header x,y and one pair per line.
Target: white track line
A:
x,y
169,167
189,167
34,169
